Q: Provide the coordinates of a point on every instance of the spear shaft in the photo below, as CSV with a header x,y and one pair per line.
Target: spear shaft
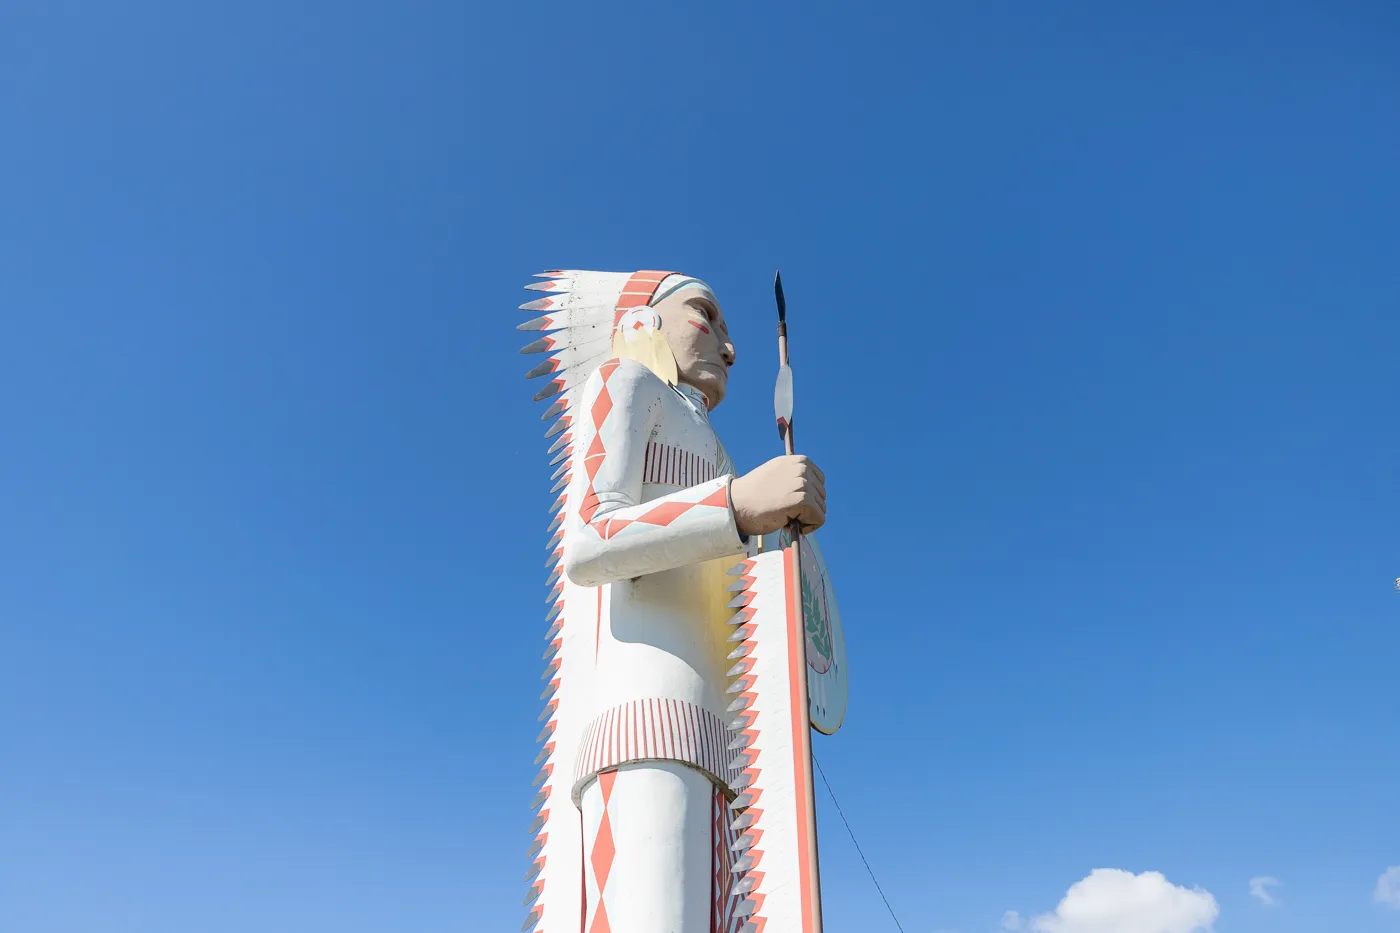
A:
x,y
782,406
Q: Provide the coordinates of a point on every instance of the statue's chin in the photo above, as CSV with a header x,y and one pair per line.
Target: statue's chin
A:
x,y
709,383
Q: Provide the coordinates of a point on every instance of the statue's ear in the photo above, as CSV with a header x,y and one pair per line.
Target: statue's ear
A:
x,y
638,337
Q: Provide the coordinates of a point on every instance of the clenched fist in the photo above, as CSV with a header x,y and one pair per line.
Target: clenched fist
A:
x,y
783,489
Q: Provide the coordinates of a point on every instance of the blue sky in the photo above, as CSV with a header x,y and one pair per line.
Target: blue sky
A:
x,y
1094,324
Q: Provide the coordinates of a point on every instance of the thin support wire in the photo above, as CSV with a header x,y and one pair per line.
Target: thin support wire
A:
x,y
868,869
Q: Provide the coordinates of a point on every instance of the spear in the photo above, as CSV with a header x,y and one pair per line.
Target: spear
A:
x,y
782,408
782,393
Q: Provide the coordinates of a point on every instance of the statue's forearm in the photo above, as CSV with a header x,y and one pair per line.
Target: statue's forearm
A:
x,y
622,541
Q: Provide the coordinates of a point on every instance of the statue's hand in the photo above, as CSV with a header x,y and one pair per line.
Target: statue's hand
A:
x,y
783,489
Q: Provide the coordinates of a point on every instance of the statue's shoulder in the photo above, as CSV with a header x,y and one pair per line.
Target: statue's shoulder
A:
x,y
626,378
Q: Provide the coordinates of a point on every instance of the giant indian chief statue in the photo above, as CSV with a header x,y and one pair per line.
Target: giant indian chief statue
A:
x,y
672,796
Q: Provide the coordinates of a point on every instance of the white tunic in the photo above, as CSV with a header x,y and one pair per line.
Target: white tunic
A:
x,y
651,526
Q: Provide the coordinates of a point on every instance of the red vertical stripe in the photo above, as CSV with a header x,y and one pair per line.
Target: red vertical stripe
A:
x,y
690,747
593,746
583,748
662,749
677,732
707,740
672,745
702,736
649,727
663,713
588,746
659,711
673,722
621,740
702,733
686,745
587,756
636,741
717,748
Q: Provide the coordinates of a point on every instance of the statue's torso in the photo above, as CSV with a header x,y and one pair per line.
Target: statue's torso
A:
x,y
659,675
658,635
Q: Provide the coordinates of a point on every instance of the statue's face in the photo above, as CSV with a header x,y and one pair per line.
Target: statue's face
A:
x,y
694,326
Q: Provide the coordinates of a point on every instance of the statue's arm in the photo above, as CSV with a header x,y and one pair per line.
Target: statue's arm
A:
x,y
612,534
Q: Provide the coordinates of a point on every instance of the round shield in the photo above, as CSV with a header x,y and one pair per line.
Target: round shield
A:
x,y
826,645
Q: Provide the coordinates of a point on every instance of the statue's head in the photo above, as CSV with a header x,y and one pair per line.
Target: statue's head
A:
x,y
681,335
694,327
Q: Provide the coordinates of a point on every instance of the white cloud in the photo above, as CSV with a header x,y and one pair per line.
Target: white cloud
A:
x,y
1011,920
1259,887
1114,901
1388,888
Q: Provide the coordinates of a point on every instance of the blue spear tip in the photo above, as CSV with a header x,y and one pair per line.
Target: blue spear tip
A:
x,y
778,294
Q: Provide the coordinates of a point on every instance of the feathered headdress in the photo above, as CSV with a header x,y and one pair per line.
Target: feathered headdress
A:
x,y
586,311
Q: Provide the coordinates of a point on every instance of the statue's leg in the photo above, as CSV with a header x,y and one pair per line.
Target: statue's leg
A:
x,y
648,848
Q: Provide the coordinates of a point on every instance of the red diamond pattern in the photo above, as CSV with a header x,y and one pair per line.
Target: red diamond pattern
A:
x,y
719,499
665,513
593,459
602,854
603,404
